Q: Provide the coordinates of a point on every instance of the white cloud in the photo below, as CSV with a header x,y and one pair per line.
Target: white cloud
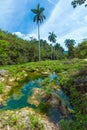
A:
x,y
19,34
66,22
78,35
25,36
86,17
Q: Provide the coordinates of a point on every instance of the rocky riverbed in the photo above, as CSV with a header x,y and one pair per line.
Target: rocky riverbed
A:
x,y
25,119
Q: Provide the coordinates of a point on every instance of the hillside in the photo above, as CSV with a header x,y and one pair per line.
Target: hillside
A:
x,y
14,50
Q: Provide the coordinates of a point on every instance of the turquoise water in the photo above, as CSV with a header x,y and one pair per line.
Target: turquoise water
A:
x,y
21,100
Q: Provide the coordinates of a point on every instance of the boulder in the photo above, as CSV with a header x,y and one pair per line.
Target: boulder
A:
x,y
3,72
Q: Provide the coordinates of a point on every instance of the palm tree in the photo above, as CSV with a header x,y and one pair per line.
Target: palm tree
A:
x,y
38,18
52,39
69,43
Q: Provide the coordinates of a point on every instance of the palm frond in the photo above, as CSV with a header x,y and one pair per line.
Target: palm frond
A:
x,y
34,11
39,17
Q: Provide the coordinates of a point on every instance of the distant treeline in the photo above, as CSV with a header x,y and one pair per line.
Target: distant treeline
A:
x,y
14,50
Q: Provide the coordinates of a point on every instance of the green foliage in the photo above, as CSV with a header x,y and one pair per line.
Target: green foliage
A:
x,y
52,38
47,86
70,45
13,119
4,57
66,125
35,124
58,52
75,87
2,88
78,2
14,50
72,73
81,50
39,16
79,123
43,107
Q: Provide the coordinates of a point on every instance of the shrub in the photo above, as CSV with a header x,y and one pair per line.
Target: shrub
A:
x,y
2,87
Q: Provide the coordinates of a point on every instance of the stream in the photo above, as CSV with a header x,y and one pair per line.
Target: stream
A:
x,y
20,100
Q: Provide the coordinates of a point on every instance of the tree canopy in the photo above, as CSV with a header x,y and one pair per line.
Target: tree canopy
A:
x,y
78,2
39,16
14,50
52,37
69,43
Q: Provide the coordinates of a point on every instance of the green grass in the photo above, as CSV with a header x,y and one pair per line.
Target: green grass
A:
x,y
24,72
2,87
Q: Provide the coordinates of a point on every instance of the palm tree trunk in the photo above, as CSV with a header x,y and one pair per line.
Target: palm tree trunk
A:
x,y
51,52
54,52
39,40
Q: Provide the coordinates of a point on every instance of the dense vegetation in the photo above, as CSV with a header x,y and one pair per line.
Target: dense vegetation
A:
x,y
73,81
14,50
76,87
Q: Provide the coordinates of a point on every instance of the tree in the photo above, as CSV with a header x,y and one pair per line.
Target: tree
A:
x,y
38,18
78,2
69,43
52,39
4,45
59,52
81,50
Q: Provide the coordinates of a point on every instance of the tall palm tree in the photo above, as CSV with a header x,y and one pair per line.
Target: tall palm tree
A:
x,y
52,38
38,18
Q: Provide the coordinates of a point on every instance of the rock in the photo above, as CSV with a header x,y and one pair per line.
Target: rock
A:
x,y
34,99
3,72
2,79
11,79
64,110
49,125
22,118
56,102
46,73
25,75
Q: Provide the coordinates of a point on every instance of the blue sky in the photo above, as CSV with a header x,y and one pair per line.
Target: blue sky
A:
x,y
61,18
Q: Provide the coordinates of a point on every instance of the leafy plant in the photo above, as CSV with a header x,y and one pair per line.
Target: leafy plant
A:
x,y
35,124
2,88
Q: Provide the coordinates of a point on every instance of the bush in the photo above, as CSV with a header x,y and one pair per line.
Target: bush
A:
x,y
35,123
2,87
